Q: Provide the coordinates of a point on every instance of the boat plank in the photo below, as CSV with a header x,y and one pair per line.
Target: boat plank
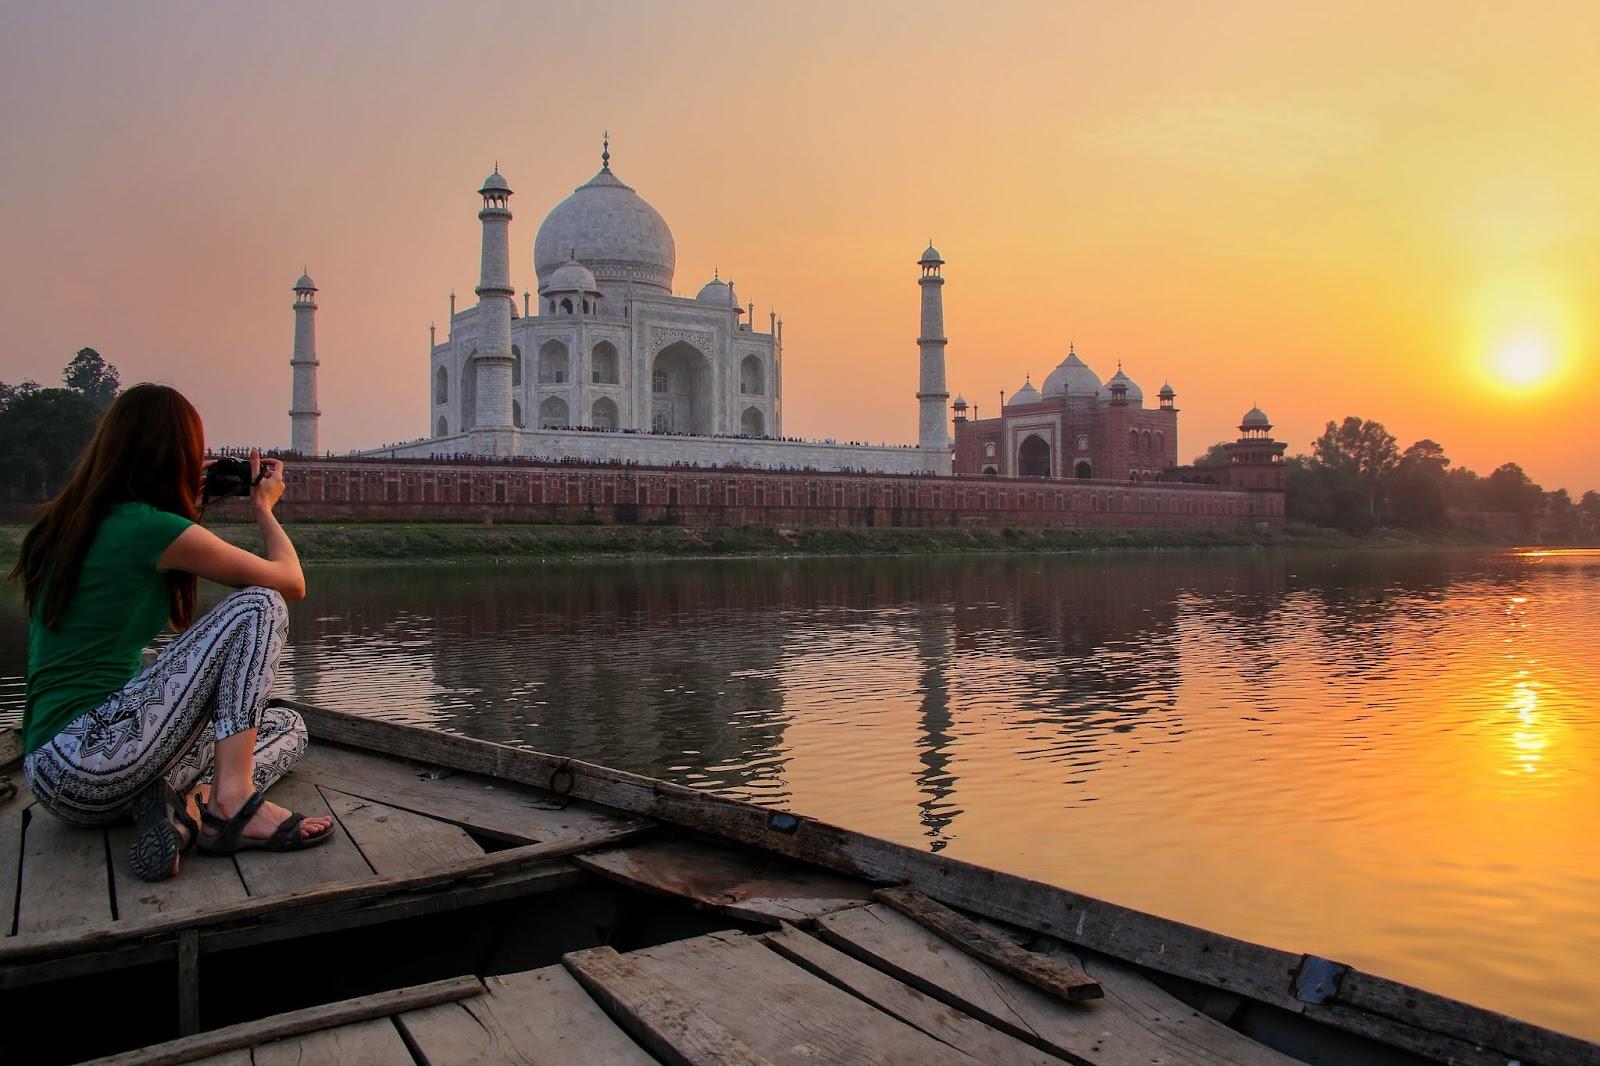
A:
x,y
395,841
1122,1028
269,873
659,1016
226,1058
202,881
1059,975
1396,1014
539,1015
10,867
961,1031
64,883
784,1011
501,809
744,883
371,1043
235,1039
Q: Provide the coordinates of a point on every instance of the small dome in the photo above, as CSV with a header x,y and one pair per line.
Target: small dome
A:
x,y
1026,394
1072,378
571,276
961,403
1256,418
1135,394
1166,392
719,292
931,255
305,284
495,183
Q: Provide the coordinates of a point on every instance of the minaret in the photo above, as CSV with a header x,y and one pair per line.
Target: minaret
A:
x,y
303,413
495,296
932,432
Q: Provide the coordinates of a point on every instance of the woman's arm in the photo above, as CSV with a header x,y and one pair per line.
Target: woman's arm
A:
x,y
200,552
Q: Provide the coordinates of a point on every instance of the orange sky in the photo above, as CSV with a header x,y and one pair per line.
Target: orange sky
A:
x,y
1327,210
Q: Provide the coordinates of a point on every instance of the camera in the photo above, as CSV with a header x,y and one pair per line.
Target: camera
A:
x,y
230,476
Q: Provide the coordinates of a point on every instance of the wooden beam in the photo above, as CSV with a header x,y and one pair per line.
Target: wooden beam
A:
x,y
1055,976
294,1023
1394,1013
39,946
655,1013
188,982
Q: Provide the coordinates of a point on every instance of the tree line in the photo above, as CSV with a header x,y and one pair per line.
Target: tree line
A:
x,y
1357,478
42,430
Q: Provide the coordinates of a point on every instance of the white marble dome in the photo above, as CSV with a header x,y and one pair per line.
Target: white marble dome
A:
x,y
571,276
1135,394
1072,377
1256,418
305,284
611,230
1026,394
719,292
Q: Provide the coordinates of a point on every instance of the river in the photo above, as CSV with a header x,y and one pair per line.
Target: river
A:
x,y
1388,758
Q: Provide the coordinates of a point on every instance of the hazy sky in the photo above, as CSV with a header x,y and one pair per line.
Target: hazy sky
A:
x,y
1324,209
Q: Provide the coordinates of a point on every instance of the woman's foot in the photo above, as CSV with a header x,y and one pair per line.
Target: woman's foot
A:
x,y
268,817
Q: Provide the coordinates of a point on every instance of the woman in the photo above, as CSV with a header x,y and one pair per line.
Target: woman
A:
x,y
187,745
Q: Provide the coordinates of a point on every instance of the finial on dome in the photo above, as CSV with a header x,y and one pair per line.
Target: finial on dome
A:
x,y
605,150
716,273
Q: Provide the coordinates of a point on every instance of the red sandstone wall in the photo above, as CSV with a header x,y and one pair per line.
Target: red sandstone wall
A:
x,y
410,490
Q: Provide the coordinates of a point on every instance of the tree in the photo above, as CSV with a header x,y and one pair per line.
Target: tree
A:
x,y
41,433
1416,491
1216,455
11,392
1590,504
92,377
1510,489
1363,448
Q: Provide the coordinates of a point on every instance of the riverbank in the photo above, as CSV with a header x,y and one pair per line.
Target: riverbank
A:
x,y
448,542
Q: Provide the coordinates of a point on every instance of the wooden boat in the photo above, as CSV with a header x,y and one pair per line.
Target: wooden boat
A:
x,y
488,904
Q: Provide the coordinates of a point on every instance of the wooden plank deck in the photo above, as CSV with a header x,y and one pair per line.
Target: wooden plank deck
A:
x,y
783,998
69,898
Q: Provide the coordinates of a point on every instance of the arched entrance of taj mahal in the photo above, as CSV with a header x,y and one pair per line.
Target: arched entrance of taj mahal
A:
x,y
680,390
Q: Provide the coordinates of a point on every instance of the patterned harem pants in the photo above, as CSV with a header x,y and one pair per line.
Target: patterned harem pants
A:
x,y
207,684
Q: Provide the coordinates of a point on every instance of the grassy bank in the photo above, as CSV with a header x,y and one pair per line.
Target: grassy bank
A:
x,y
446,542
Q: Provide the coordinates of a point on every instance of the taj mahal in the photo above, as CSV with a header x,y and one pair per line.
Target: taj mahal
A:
x,y
601,362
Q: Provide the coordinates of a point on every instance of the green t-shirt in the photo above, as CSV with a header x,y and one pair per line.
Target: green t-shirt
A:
x,y
120,605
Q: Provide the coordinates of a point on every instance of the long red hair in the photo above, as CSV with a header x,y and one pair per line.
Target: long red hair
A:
x,y
149,448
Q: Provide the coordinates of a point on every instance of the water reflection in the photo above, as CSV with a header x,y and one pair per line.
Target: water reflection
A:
x,y
1388,758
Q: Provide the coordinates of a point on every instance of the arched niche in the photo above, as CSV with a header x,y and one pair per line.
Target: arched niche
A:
x,y
752,423
603,415
1084,469
441,385
469,391
752,376
516,413
553,413
516,367
553,361
442,427
603,368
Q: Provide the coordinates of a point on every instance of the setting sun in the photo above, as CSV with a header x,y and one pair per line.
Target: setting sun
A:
x,y
1523,361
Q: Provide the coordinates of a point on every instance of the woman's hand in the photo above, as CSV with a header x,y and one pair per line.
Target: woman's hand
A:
x,y
266,482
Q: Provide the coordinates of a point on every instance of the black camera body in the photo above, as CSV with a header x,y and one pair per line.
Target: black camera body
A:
x,y
230,476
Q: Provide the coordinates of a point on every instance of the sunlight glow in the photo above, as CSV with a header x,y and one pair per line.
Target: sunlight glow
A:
x,y
1524,360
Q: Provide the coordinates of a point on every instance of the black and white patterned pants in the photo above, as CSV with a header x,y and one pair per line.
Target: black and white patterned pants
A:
x,y
207,684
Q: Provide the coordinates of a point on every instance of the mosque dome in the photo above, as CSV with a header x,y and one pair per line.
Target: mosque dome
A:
x,y
612,231
495,183
931,255
571,276
1072,377
1026,394
304,283
1166,392
719,292
1135,394
1256,418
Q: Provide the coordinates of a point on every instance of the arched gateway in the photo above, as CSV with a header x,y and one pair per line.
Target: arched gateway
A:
x,y
680,390
1033,458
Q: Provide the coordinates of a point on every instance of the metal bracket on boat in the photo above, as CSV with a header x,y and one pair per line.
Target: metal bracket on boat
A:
x,y
1317,979
782,822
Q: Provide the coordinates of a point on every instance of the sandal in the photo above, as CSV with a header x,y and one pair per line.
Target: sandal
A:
x,y
157,842
227,838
